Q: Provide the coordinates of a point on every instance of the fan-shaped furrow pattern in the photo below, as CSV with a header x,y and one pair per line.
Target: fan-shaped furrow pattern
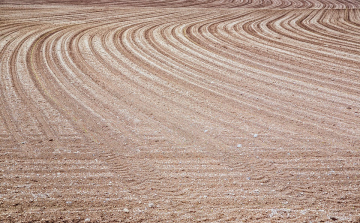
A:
x,y
182,110
314,4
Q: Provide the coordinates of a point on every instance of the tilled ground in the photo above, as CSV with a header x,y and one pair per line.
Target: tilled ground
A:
x,y
180,111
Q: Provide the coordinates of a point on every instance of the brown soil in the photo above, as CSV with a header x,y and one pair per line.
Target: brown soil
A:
x,y
180,111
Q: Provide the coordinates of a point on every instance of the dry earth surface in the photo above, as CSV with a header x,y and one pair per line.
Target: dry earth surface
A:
x,y
180,111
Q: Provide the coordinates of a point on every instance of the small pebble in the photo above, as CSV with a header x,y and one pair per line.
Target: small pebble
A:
x,y
151,205
87,220
239,145
255,135
126,210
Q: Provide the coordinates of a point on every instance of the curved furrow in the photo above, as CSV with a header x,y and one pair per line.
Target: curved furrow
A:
x,y
233,117
33,113
178,76
95,53
30,119
262,178
42,74
149,79
192,100
82,89
228,159
297,50
339,27
76,80
208,72
332,86
72,106
9,127
157,117
324,28
184,111
19,77
121,165
128,176
282,26
322,77
292,4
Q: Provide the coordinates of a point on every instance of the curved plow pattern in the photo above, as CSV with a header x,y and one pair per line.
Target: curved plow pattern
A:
x,y
194,112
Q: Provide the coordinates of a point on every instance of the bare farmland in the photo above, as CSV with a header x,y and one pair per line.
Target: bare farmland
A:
x,y
180,111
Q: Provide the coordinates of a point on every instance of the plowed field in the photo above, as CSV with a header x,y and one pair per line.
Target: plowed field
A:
x,y
180,111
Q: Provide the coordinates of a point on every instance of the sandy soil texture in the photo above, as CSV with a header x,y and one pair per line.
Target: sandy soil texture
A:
x,y
180,111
